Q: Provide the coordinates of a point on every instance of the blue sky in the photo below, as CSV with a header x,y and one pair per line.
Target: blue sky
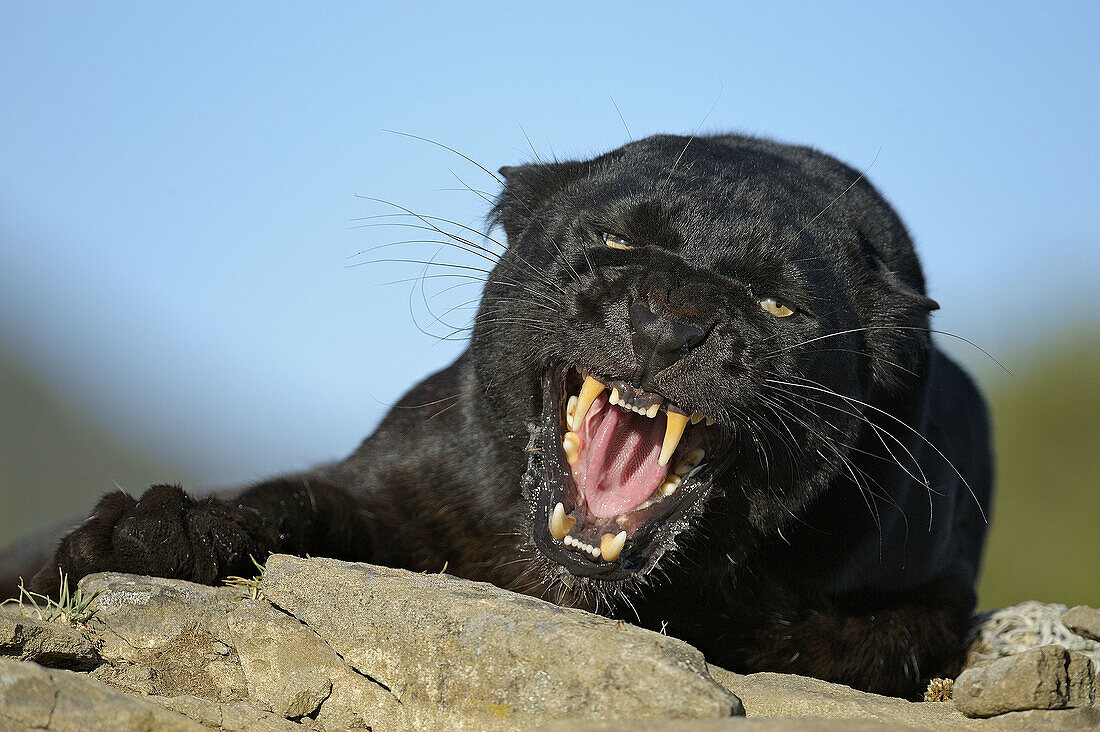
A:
x,y
179,185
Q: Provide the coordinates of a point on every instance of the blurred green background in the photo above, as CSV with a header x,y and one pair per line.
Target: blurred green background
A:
x,y
1043,544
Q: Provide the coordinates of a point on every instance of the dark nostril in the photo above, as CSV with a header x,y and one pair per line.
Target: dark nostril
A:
x,y
685,337
660,342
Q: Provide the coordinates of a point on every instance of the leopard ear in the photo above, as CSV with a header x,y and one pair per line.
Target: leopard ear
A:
x,y
898,337
902,291
527,188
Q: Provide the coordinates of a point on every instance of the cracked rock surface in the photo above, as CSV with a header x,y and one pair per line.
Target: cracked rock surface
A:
x,y
333,645
448,649
50,644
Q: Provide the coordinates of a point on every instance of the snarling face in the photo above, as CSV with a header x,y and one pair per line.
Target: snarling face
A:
x,y
688,332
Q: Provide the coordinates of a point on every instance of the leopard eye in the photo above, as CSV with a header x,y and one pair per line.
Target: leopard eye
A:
x,y
616,242
776,308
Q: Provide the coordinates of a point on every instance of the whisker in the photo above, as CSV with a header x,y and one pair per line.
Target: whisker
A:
x,y
906,426
449,149
894,327
694,134
622,119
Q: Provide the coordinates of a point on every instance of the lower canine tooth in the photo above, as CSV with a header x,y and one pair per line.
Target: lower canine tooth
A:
x,y
561,524
611,546
670,485
571,444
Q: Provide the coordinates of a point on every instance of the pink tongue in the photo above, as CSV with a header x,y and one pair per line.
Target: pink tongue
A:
x,y
618,469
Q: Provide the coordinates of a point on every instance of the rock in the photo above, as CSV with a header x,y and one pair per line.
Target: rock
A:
x,y
46,643
1084,621
467,655
226,717
35,697
769,696
1081,675
1059,719
165,637
1018,628
217,649
291,672
351,646
1035,679
733,724
785,695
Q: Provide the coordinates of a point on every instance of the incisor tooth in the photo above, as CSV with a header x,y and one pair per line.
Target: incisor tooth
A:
x,y
696,417
571,444
674,428
589,391
614,398
669,486
560,524
652,411
570,410
709,421
611,546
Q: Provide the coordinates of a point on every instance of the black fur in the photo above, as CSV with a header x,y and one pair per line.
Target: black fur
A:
x,y
837,528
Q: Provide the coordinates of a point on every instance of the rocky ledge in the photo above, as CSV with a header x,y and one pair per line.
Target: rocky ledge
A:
x,y
319,644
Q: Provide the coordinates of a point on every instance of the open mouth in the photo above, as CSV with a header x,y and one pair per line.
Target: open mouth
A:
x,y
622,469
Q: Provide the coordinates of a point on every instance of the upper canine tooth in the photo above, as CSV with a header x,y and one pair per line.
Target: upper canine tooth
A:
x,y
561,524
611,546
589,391
674,428
652,411
571,444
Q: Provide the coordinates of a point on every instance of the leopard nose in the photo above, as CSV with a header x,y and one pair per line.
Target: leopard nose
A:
x,y
659,342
